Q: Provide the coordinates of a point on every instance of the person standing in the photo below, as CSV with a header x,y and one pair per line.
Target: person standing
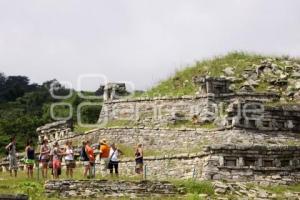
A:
x,y
56,163
69,159
12,156
139,159
104,155
30,158
90,154
113,159
45,157
85,159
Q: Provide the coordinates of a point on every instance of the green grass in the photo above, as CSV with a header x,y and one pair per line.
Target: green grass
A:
x,y
22,185
281,189
181,83
189,124
178,124
129,151
197,187
119,123
80,129
279,103
35,188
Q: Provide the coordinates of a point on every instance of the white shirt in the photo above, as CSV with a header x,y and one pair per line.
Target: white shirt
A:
x,y
69,153
113,156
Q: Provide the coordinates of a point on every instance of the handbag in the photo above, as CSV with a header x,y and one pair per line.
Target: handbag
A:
x,y
50,164
110,162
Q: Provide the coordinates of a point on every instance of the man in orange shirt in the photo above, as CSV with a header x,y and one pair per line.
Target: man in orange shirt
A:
x,y
104,155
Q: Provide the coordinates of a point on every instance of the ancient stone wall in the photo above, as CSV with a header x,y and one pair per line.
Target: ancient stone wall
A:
x,y
164,141
167,140
110,189
55,130
254,115
275,164
153,111
160,140
161,111
180,166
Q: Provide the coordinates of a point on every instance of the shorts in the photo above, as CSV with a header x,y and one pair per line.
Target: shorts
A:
x,y
104,163
29,162
86,163
139,166
56,164
13,163
45,161
70,164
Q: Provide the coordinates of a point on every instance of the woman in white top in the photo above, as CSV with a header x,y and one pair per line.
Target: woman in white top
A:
x,y
113,159
69,159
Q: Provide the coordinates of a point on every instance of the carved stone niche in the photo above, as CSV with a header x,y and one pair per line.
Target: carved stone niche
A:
x,y
249,162
285,163
230,161
268,163
214,85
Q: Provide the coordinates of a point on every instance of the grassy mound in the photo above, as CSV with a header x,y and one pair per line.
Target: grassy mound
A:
x,y
182,82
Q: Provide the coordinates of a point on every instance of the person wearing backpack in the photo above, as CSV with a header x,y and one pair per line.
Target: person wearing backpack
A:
x,y
12,156
85,159
113,162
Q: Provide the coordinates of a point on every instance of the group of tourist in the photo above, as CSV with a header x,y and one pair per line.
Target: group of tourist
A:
x,y
51,158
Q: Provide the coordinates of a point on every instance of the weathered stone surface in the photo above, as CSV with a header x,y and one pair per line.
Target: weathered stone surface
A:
x,y
241,190
105,189
13,197
55,130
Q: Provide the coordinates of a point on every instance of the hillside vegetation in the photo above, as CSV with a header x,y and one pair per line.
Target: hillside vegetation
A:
x,y
25,106
232,65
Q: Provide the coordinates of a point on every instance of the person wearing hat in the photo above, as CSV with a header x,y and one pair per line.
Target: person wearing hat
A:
x,y
104,155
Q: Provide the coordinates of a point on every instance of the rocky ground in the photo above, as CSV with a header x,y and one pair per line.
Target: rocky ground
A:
x,y
271,75
224,191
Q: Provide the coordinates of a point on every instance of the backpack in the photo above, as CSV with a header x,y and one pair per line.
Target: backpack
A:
x,y
8,150
83,154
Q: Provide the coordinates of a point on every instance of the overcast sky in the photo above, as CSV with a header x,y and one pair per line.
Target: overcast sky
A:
x,y
137,40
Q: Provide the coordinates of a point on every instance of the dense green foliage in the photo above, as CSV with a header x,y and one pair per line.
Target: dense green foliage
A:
x,y
25,106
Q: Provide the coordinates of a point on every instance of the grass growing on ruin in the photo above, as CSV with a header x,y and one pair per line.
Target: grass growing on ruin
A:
x,y
197,187
181,82
178,124
189,124
281,189
35,188
80,129
119,123
129,151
